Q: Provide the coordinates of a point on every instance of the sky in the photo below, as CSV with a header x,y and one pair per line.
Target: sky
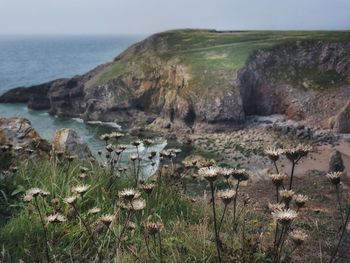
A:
x,y
150,16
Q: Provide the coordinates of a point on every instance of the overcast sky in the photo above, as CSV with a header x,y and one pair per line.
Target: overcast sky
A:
x,y
149,16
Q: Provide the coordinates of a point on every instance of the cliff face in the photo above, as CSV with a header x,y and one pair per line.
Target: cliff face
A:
x,y
304,80
171,79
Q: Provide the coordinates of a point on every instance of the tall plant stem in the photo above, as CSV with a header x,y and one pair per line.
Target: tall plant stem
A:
x,y
88,230
276,168
291,175
277,194
124,226
333,259
235,202
339,203
160,248
222,217
138,165
44,228
215,226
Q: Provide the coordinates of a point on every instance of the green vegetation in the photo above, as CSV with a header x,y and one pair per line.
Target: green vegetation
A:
x,y
59,210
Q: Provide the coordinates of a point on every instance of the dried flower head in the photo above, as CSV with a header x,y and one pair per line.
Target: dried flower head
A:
x,y
71,158
295,153
209,173
304,150
275,206
133,157
292,154
122,147
136,143
148,142
226,196
116,135
273,154
286,196
94,210
148,188
27,198
128,194
226,172
56,218
105,137
164,154
153,227
300,200
70,200
284,216
106,219
34,192
82,175
97,227
109,148
80,189
83,169
277,179
298,237
240,174
134,205
130,226
334,177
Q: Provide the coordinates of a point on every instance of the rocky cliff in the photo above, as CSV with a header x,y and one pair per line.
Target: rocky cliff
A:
x,y
183,78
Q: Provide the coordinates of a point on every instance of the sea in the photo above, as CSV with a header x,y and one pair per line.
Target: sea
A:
x,y
30,60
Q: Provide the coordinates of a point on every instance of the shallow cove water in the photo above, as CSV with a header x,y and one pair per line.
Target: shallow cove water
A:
x,y
30,60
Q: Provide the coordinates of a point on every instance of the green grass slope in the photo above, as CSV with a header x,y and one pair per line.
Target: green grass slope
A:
x,y
212,56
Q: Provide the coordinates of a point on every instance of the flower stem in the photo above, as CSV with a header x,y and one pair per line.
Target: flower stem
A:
x,y
291,175
89,233
44,228
215,226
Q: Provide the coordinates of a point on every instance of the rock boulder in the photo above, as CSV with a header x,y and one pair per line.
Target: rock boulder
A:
x,y
341,121
336,162
68,141
19,133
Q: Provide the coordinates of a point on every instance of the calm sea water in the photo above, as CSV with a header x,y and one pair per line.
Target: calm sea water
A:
x,y
30,60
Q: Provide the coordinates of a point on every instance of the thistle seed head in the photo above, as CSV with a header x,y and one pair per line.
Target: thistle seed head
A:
x,y
129,194
209,173
106,219
298,237
240,174
56,218
226,196
284,216
273,154
277,179
334,177
300,200
80,189
153,227
286,196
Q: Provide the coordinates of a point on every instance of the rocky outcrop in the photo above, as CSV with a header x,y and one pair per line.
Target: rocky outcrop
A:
x,y
36,96
18,134
341,122
69,142
336,162
140,87
295,79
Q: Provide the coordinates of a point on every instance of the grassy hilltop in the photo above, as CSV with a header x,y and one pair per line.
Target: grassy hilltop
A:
x,y
211,55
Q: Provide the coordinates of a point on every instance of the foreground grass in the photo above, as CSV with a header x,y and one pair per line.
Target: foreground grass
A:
x,y
246,232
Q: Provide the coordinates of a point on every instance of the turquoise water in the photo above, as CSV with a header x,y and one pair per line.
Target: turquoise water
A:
x,y
26,61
